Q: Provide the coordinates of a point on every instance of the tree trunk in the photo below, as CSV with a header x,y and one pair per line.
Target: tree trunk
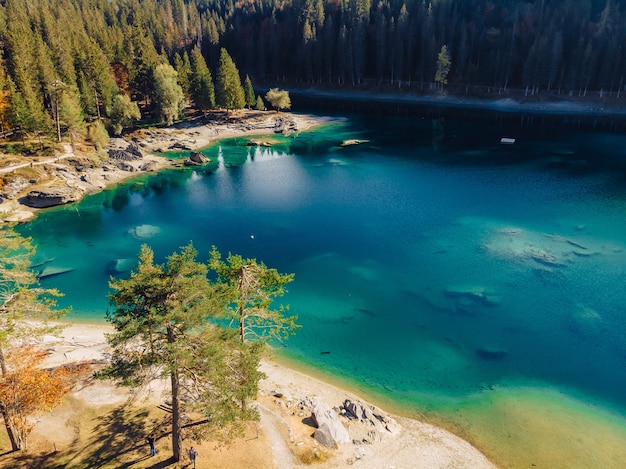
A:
x,y
177,441
7,423
5,414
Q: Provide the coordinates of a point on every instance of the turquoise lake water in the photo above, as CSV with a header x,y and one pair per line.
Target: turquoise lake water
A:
x,y
477,285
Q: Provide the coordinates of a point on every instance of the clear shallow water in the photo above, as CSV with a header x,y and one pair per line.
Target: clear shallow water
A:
x,y
477,285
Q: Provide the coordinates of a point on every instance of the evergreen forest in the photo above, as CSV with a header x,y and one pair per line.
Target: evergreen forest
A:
x,y
66,63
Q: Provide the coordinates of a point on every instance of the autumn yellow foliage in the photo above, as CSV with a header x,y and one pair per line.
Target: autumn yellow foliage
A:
x,y
28,390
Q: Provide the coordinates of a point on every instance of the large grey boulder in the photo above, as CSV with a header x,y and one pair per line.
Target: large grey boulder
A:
x,y
323,435
330,430
51,196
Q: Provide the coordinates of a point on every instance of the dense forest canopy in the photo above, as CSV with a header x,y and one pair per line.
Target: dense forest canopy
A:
x,y
67,60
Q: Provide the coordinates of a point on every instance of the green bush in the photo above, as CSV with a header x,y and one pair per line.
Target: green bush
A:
x,y
98,134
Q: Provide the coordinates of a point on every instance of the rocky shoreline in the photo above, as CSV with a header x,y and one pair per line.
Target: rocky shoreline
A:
x,y
39,183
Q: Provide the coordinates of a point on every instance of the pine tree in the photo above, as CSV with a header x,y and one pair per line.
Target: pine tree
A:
x,y
162,325
249,93
183,68
202,89
260,105
71,115
99,76
229,93
252,288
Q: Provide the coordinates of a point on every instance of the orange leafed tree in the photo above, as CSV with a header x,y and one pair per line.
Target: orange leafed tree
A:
x,y
28,390
26,309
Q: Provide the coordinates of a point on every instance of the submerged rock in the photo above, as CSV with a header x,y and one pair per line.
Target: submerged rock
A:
x,y
51,271
491,354
540,250
473,295
144,231
120,266
585,321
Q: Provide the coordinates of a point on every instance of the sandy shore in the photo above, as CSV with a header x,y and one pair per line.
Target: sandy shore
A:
x,y
284,434
242,123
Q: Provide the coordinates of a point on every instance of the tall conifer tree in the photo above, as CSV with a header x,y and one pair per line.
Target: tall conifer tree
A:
x,y
202,89
229,92
183,68
249,93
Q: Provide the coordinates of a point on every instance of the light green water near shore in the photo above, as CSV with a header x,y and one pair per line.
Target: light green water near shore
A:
x,y
514,426
443,276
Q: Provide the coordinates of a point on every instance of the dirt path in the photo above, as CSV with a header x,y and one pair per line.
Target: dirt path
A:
x,y
67,154
276,430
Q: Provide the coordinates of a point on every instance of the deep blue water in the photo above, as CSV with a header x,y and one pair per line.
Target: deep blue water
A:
x,y
432,263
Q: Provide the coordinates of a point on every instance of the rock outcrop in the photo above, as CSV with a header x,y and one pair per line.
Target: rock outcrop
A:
x,y
131,153
330,431
374,417
284,125
57,195
148,167
124,166
196,158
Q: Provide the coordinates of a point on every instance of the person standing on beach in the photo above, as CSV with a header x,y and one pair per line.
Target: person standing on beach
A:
x,y
150,440
193,454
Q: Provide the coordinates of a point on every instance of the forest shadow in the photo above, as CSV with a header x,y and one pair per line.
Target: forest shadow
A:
x,y
114,438
116,434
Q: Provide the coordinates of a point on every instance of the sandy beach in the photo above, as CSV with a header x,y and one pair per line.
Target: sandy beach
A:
x,y
281,439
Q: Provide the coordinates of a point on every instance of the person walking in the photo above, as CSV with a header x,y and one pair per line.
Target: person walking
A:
x,y
150,440
193,454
